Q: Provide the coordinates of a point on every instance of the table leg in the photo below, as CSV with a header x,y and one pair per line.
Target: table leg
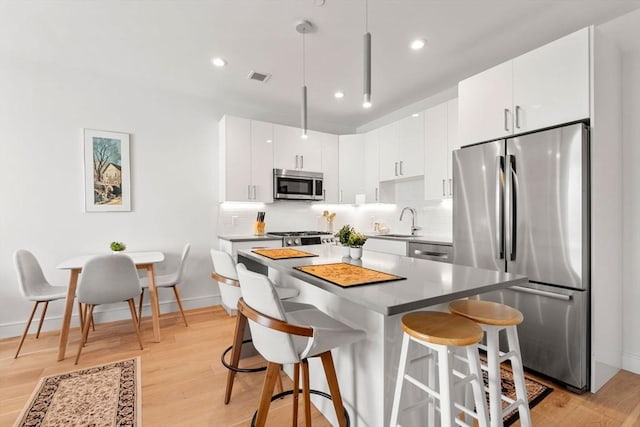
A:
x,y
68,311
155,308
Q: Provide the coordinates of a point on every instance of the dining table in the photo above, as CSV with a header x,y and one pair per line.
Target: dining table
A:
x,y
142,260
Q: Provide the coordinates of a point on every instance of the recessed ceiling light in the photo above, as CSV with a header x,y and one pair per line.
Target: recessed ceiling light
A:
x,y
418,44
269,141
218,62
415,115
366,104
339,94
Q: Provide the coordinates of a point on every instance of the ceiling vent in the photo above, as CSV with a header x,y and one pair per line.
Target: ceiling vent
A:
x,y
261,77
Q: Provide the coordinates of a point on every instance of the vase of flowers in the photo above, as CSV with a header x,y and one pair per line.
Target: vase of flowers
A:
x,y
356,241
343,237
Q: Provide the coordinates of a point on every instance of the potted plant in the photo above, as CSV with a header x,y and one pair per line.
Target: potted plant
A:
x,y
117,247
343,237
356,240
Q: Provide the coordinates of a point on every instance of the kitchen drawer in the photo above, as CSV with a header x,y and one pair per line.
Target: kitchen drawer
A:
x,y
433,252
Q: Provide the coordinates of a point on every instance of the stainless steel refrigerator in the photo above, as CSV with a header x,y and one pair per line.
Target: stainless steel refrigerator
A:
x,y
522,205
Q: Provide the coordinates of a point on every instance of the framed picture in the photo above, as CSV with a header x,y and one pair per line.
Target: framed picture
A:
x,y
107,177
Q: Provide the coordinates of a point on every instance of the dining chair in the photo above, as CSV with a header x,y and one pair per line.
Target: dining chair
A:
x,y
34,287
283,337
168,281
108,279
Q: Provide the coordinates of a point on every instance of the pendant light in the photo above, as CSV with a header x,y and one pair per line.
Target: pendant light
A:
x,y
304,27
366,103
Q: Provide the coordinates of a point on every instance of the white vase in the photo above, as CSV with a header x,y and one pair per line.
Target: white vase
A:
x,y
346,251
355,253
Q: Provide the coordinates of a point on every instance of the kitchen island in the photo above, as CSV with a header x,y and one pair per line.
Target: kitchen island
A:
x,y
367,370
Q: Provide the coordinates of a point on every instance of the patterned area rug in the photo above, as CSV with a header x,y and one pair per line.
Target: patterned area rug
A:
x,y
105,395
536,392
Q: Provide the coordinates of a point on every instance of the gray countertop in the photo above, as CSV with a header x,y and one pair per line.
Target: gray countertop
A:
x,y
428,282
418,239
248,238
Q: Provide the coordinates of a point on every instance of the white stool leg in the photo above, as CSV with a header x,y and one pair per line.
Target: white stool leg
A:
x,y
399,380
518,377
495,386
446,383
477,386
432,382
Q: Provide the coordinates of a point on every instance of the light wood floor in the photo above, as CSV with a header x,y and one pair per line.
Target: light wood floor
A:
x,y
183,380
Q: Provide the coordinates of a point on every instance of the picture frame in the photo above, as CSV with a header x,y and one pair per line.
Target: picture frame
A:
x,y
107,173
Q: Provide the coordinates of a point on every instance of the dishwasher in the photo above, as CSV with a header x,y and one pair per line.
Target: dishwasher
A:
x,y
431,251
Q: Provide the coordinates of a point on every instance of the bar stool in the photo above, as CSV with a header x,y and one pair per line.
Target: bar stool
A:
x,y
443,334
292,337
227,278
493,318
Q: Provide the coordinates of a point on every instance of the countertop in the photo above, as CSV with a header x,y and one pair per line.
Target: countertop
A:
x,y
428,282
434,240
248,238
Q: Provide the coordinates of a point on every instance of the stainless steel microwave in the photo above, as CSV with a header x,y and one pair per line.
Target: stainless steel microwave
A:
x,y
290,184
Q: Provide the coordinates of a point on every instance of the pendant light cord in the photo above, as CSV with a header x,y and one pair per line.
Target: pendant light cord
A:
x,y
366,16
304,69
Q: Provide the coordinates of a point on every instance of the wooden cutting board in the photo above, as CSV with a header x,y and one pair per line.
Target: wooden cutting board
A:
x,y
347,275
282,253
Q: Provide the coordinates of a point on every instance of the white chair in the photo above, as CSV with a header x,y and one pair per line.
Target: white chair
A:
x,y
225,274
108,279
291,337
168,281
34,287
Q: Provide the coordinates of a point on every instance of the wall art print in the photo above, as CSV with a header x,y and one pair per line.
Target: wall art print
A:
x,y
106,171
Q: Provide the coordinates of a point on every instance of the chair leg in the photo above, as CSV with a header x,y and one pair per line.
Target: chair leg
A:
x,y
81,315
334,388
273,370
26,329
44,313
279,387
296,385
134,320
85,331
87,321
140,306
179,301
306,394
241,323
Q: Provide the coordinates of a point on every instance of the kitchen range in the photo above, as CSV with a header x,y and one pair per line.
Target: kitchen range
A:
x,y
302,238
521,205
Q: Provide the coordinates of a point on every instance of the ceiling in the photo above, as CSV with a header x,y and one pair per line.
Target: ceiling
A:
x,y
169,44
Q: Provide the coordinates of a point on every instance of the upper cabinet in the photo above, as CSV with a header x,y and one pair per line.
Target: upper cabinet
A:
x,y
246,159
441,138
352,148
330,159
291,151
371,168
401,148
545,87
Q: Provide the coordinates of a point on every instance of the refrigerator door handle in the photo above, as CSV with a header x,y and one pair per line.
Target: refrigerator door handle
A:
x,y
532,291
514,203
500,206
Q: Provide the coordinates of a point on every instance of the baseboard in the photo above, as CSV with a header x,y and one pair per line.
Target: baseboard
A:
x,y
108,313
631,362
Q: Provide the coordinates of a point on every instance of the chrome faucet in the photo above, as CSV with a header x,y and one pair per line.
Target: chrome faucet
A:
x,y
414,227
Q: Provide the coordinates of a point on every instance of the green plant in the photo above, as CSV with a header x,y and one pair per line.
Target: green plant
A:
x,y
117,246
356,240
344,233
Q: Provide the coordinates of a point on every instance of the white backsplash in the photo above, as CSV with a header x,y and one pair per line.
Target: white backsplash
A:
x,y
435,217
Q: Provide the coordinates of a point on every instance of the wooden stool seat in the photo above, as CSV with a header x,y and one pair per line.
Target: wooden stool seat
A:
x,y
487,312
441,328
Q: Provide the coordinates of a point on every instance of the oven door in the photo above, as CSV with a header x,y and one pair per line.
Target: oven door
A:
x,y
293,188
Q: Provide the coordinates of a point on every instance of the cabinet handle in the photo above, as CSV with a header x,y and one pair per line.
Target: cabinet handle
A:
x,y
518,116
301,162
401,173
376,194
249,192
506,119
254,192
297,161
340,199
444,193
541,293
451,186
396,168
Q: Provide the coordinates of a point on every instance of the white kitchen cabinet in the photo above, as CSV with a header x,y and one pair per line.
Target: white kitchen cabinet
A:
x,y
441,138
401,148
330,164
351,164
371,168
246,160
545,87
291,151
394,247
387,137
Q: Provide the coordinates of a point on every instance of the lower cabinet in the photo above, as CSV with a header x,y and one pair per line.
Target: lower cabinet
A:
x,y
394,247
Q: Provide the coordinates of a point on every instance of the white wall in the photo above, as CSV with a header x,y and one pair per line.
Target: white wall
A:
x,y
631,211
174,182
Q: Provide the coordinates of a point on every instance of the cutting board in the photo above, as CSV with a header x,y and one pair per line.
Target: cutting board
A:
x,y
282,253
347,275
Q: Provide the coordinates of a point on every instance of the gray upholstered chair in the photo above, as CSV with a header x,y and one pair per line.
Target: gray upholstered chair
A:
x,y
108,279
34,287
168,281
283,337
